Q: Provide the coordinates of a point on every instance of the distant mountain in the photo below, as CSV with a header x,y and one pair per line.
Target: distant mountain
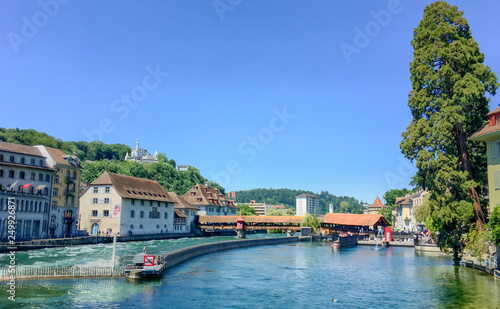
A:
x,y
287,198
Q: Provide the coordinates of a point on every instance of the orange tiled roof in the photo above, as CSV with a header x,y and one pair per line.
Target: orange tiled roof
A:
x,y
354,219
57,156
377,204
251,219
16,148
485,130
181,203
208,195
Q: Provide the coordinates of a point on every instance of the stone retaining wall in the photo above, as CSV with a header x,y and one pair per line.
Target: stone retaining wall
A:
x,y
182,255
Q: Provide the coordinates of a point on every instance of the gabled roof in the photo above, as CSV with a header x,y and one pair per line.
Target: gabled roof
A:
x,y
181,203
60,157
377,204
355,219
486,129
179,213
22,149
202,192
133,187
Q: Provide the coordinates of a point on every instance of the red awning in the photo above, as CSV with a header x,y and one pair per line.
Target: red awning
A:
x,y
27,186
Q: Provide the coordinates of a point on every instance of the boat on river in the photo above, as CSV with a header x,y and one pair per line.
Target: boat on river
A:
x,y
143,265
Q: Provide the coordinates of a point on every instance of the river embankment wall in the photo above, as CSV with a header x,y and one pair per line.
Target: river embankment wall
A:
x,y
176,257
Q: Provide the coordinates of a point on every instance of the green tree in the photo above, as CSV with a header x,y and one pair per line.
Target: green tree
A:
x,y
311,221
390,196
246,210
448,103
344,207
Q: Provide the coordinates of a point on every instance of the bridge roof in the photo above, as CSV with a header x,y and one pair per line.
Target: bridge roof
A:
x,y
355,219
251,219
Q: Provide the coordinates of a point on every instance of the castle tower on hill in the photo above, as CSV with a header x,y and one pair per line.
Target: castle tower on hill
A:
x,y
141,155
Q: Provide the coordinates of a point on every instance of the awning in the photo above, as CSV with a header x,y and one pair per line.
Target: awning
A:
x,y
180,214
40,187
27,186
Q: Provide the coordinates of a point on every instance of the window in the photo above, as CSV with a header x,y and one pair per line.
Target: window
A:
x,y
94,213
132,202
106,200
193,193
11,174
106,213
106,190
11,159
21,175
142,202
140,226
74,174
95,200
166,215
32,161
46,191
157,226
41,163
96,190
132,214
150,203
40,177
47,178
198,200
33,176
55,192
141,215
1,173
56,179
22,160
1,157
158,204
131,226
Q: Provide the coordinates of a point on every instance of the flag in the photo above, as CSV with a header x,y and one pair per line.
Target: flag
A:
x,y
234,194
27,186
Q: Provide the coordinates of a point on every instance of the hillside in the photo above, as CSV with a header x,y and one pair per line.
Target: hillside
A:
x,y
287,197
96,157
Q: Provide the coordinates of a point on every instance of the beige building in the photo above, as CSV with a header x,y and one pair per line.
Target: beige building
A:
x,y
65,191
184,214
210,201
122,204
405,211
490,133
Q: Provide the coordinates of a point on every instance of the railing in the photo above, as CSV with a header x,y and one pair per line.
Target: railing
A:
x,y
18,193
26,272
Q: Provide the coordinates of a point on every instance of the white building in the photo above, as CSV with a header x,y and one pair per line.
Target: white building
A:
x,y
306,203
122,204
25,177
141,155
210,201
405,211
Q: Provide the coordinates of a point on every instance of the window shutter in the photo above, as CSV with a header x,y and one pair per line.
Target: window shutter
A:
x,y
494,149
91,201
110,201
101,201
90,215
497,180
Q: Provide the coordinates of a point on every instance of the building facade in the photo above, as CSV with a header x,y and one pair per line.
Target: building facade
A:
x,y
490,133
405,211
125,205
210,201
376,207
26,179
141,155
307,204
184,214
65,194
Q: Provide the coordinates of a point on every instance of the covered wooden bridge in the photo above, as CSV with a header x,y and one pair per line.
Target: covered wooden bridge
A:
x,y
289,224
354,223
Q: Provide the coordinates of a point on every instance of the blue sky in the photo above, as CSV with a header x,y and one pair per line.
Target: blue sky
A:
x,y
255,94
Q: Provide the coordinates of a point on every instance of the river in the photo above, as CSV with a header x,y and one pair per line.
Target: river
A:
x,y
298,275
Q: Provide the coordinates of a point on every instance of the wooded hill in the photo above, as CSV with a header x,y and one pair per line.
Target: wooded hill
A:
x,y
96,157
287,198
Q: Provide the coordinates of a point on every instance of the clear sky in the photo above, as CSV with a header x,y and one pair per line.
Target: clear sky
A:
x,y
255,93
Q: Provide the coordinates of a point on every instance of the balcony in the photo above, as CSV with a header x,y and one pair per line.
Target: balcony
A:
x,y
21,193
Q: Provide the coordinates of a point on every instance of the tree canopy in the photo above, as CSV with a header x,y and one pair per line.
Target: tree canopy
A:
x,y
246,210
311,221
448,103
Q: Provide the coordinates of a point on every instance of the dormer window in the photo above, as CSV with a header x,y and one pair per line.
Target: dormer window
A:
x,y
209,194
195,188
193,193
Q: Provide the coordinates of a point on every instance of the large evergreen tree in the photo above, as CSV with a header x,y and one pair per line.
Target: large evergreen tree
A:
x,y
448,104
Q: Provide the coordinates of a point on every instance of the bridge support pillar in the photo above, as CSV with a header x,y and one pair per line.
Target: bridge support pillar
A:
x,y
289,233
241,233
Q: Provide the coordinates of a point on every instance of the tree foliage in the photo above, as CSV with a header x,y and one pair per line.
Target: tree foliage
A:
x,y
280,212
493,226
287,197
311,221
246,210
448,103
